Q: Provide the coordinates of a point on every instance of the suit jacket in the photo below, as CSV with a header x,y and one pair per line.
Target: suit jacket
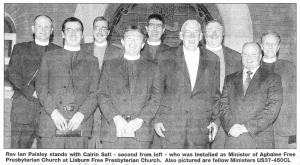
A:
x,y
146,53
233,60
115,97
53,88
286,122
24,62
111,52
257,110
182,108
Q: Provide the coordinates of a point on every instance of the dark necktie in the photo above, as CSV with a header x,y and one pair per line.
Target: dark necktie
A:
x,y
247,82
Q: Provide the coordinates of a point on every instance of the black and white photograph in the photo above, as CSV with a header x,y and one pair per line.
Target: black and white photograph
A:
x,y
149,83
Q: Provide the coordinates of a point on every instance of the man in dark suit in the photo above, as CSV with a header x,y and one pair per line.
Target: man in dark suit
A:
x,y
250,103
154,45
103,50
189,106
128,96
23,65
66,85
230,62
285,126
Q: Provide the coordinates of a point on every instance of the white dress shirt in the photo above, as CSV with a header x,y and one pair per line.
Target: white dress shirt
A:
x,y
245,73
192,62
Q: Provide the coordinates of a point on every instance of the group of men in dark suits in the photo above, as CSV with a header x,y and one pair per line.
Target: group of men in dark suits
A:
x,y
145,94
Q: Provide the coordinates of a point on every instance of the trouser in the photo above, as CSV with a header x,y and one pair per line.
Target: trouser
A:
x,y
64,142
94,141
282,142
184,143
126,143
23,135
219,141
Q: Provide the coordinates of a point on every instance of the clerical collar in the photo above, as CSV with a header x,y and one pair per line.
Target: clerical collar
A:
x,y
72,48
186,52
268,60
131,58
155,43
41,43
213,49
100,44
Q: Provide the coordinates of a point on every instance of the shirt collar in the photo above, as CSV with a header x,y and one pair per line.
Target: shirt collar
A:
x,y
185,51
100,44
131,58
41,43
213,49
253,71
72,48
268,60
155,43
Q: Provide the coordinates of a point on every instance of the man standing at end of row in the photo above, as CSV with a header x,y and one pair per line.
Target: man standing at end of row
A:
x,y
285,126
23,67
190,96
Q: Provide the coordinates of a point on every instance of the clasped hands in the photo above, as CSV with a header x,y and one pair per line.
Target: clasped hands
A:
x,y
127,129
62,124
236,130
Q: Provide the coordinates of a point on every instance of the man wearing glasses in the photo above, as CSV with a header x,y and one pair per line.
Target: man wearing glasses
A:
x,y
103,50
66,87
154,46
230,62
190,96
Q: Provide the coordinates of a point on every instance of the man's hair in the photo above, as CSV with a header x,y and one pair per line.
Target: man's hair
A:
x,y
43,16
257,44
269,32
101,19
213,21
190,21
71,19
157,17
134,28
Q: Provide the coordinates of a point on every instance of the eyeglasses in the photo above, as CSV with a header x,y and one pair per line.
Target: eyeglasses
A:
x,y
187,32
218,32
69,30
103,29
152,26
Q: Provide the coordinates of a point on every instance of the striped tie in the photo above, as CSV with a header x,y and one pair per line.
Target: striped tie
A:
x,y
247,82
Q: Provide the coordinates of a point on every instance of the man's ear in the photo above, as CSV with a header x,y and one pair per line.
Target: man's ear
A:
x,y
32,28
123,43
62,34
181,35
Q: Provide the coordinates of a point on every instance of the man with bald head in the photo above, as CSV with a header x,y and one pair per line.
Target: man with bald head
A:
x,y
23,66
250,103
230,62
190,95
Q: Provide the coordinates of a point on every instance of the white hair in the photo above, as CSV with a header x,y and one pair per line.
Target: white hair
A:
x,y
190,22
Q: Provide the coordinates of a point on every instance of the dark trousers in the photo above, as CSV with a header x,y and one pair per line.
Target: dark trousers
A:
x,y
23,135
126,143
64,142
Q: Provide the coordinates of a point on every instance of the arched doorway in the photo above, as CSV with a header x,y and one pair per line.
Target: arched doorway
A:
x,y
175,15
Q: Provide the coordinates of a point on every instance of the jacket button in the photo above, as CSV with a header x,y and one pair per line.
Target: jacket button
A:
x,y
186,111
65,86
60,102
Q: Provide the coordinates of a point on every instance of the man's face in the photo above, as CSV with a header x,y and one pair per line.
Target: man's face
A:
x,y
214,34
191,35
101,31
251,56
270,46
133,42
155,29
72,34
42,28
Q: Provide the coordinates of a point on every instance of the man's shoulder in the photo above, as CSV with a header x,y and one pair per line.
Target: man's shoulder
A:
x,y
209,54
284,63
54,46
230,53
23,45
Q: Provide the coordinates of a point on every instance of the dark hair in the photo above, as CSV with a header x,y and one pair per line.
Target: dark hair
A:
x,y
269,32
157,17
213,21
71,19
43,16
101,19
134,28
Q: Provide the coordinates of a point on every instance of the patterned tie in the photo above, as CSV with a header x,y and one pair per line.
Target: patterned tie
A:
x,y
247,82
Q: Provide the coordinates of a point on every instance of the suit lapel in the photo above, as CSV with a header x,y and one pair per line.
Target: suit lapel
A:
x,y
123,70
254,83
238,83
278,67
201,68
183,69
80,57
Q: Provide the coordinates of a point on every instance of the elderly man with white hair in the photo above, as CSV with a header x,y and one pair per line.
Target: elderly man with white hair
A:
x,y
189,106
